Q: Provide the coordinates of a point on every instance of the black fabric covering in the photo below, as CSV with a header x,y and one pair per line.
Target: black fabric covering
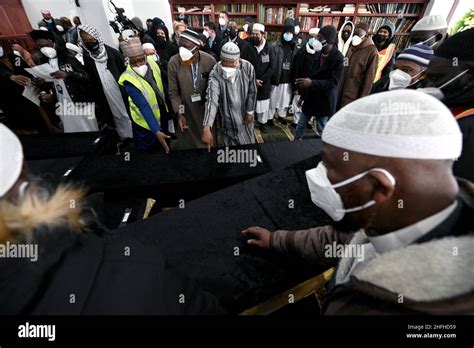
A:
x,y
200,240
51,170
67,144
282,154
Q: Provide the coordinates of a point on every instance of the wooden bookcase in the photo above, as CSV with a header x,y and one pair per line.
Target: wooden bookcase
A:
x,y
403,13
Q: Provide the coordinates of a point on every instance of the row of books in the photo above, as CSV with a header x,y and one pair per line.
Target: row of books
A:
x,y
275,15
182,9
401,42
240,8
402,25
394,8
307,23
198,21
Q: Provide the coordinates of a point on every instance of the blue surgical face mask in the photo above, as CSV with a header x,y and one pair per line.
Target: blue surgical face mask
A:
x,y
287,37
311,41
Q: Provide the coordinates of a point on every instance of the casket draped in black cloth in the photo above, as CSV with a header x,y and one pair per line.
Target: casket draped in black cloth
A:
x,y
203,240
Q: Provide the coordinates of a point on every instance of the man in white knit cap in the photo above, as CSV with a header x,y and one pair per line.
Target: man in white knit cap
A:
x,y
431,31
386,175
232,92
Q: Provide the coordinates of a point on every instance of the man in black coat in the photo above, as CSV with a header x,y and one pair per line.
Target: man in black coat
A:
x,y
105,65
247,52
213,40
319,89
266,65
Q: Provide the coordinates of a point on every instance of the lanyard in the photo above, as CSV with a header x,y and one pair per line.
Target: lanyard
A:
x,y
194,71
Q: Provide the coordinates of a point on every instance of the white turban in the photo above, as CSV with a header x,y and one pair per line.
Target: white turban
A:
x,y
11,159
401,124
313,31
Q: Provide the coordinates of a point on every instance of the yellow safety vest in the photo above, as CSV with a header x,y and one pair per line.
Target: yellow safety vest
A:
x,y
139,82
384,58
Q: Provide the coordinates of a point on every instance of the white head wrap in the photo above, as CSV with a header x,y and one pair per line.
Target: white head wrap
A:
x,y
433,22
259,27
314,31
401,124
11,159
74,48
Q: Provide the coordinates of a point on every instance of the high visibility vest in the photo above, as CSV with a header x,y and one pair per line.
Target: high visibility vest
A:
x,y
143,86
468,112
384,58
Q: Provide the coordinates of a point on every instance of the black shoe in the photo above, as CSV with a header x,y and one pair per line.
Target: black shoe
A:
x,y
270,123
263,128
293,125
282,121
309,126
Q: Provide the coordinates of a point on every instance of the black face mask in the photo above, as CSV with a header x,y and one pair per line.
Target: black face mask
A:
x,y
232,33
379,39
93,47
160,40
345,35
254,41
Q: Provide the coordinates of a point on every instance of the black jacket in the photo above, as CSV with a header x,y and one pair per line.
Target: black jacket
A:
x,y
116,65
320,99
303,65
265,68
78,82
215,49
277,48
97,273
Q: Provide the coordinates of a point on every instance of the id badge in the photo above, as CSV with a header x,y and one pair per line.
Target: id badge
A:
x,y
286,65
266,58
195,97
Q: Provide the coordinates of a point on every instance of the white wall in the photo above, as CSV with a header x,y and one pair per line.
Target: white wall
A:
x,y
97,13
443,7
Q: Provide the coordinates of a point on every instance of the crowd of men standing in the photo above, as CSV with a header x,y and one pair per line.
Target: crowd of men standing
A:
x,y
187,85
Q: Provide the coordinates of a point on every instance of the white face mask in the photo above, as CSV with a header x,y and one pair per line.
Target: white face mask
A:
x,y
228,73
428,39
245,27
141,70
317,45
324,195
221,22
49,52
1,52
400,79
206,34
297,30
436,91
154,57
309,49
185,54
356,40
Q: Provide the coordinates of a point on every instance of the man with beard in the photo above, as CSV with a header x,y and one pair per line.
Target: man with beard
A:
x,y
247,52
384,42
345,37
232,92
391,190
265,67
451,72
410,70
431,31
105,65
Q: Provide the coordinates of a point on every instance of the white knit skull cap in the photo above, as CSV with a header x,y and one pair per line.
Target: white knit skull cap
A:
x,y
428,23
400,124
11,159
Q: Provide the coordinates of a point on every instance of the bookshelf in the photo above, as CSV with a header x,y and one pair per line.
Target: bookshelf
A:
x,y
403,13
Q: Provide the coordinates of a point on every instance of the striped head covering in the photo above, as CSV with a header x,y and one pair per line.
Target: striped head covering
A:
x,y
191,35
419,54
230,51
132,47
101,54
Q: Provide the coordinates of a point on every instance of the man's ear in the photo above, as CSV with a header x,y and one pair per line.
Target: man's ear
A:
x,y
384,188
